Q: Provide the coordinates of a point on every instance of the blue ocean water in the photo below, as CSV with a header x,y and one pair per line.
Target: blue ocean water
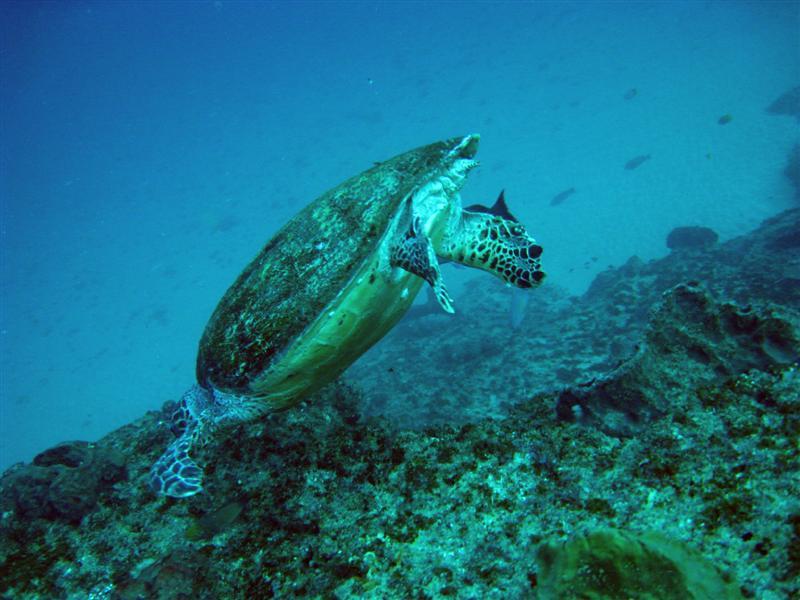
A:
x,y
149,150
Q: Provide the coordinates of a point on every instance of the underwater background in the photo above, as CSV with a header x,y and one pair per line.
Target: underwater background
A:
x,y
149,150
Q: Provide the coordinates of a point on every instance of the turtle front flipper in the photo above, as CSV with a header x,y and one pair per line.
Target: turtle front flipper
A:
x,y
414,252
175,473
493,240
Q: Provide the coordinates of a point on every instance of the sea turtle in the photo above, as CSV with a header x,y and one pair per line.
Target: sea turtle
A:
x,y
331,283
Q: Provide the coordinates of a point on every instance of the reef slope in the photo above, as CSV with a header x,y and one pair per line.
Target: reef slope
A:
x,y
666,399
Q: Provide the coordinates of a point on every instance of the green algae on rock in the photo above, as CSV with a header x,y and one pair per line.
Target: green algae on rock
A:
x,y
610,563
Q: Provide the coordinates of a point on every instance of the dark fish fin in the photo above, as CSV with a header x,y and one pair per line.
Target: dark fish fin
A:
x,y
498,209
478,208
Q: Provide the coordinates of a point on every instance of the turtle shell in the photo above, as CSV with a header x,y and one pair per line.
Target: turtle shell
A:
x,y
307,263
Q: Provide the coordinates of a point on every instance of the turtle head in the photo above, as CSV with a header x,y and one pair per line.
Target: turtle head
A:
x,y
506,249
492,239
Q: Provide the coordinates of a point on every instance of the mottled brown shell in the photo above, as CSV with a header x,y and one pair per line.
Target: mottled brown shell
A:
x,y
306,264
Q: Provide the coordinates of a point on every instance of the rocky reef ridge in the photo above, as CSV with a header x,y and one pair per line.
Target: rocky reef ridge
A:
x,y
666,399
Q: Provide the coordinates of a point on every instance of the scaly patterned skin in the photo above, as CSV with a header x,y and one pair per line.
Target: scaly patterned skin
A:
x,y
175,473
414,253
498,245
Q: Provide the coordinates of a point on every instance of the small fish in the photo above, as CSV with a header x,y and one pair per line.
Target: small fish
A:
x,y
561,196
631,94
636,161
725,119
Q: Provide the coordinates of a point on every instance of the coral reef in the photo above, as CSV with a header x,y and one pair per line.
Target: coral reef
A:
x,y
666,399
562,341
690,340
63,483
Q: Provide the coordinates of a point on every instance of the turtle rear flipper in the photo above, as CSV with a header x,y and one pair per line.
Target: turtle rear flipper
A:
x,y
414,253
175,473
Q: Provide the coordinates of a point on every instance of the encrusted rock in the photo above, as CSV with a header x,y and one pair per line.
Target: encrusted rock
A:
x,y
692,338
319,502
682,238
64,482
